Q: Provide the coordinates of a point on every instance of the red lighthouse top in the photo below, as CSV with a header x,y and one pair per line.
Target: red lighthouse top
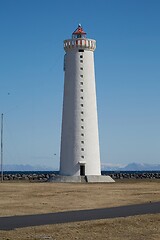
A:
x,y
79,33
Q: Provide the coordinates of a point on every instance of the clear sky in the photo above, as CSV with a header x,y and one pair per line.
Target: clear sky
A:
x,y
127,61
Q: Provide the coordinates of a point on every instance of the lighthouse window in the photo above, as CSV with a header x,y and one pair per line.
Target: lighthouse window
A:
x,y
81,68
81,56
82,156
82,112
82,142
82,119
81,76
82,134
81,50
81,97
81,90
82,149
82,127
81,61
81,105
81,83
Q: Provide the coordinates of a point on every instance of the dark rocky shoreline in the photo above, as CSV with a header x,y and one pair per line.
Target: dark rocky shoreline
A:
x,y
149,175
27,177
44,177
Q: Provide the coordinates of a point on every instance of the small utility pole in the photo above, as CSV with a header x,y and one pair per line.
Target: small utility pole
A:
x,y
2,147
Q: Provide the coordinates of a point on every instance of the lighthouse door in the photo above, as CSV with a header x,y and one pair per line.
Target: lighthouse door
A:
x,y
82,170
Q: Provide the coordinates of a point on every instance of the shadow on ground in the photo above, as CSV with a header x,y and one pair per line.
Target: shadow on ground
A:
x,y
12,222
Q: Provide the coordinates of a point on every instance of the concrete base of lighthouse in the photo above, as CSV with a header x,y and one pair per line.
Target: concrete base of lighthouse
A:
x,y
82,179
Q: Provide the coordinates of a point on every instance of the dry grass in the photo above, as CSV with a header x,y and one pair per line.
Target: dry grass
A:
x,y
146,227
30,198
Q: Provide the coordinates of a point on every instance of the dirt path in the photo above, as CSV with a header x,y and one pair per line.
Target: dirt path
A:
x,y
10,223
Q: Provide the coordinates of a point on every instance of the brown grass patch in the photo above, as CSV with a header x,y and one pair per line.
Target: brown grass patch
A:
x,y
34,198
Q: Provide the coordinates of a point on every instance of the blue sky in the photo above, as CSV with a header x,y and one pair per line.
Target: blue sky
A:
x,y
127,61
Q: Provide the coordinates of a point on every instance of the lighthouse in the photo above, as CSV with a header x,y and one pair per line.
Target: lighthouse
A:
x,y
80,154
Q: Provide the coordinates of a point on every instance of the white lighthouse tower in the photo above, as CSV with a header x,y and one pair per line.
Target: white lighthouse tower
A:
x,y
80,155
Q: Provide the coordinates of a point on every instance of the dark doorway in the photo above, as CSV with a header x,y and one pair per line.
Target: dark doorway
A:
x,y
82,170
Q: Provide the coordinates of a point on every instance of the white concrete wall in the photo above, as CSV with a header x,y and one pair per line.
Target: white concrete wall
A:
x,y
72,125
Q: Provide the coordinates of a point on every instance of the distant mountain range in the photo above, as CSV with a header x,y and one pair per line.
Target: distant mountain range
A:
x,y
105,167
133,167
21,167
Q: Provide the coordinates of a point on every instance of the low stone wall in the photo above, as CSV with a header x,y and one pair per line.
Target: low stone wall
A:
x,y
138,175
27,177
40,177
